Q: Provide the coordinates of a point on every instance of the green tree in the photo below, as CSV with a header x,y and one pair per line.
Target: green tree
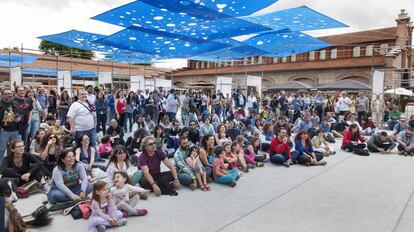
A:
x,y
54,49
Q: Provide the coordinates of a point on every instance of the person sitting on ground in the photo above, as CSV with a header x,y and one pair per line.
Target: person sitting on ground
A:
x,y
351,137
325,126
394,116
193,133
133,143
150,164
280,150
140,124
229,159
221,136
150,123
340,127
206,128
185,173
105,148
352,120
368,127
49,153
58,130
381,143
405,141
116,133
282,122
35,144
69,180
266,137
22,166
401,126
193,161
48,124
85,152
305,153
233,131
251,153
207,154
320,145
120,162
221,174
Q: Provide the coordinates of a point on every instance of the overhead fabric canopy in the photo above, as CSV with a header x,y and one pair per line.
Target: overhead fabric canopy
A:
x,y
290,85
296,19
400,91
344,85
12,60
40,71
140,14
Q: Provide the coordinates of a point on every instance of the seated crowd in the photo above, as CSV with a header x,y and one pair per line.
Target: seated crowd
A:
x,y
78,156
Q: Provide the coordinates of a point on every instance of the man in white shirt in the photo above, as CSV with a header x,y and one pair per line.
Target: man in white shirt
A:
x,y
171,105
251,101
82,118
343,103
91,95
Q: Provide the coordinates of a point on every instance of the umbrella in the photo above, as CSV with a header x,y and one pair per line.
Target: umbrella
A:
x,y
400,91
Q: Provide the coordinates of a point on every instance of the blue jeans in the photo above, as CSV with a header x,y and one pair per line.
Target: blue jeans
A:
x,y
281,158
55,195
34,125
90,133
130,119
171,115
185,179
5,138
231,177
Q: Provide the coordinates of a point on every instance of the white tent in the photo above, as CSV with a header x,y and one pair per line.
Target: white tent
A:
x,y
400,91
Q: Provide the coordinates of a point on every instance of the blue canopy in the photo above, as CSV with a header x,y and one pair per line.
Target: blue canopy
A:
x,y
296,19
144,15
12,60
161,43
212,9
286,43
40,71
84,74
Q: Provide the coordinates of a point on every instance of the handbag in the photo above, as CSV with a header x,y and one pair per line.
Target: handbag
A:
x,y
361,152
28,189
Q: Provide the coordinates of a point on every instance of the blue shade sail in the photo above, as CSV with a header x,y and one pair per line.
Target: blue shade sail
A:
x,y
212,9
40,71
132,58
286,43
164,44
140,14
84,74
296,19
13,60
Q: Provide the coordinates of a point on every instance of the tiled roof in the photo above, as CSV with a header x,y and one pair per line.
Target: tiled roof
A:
x,y
381,34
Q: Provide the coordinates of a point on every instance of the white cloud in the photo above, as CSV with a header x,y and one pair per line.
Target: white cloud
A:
x,y
24,20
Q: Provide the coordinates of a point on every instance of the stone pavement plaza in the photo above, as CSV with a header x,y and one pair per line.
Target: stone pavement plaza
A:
x,y
351,193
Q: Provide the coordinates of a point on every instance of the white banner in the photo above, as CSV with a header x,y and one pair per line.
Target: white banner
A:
x,y
224,84
378,82
255,82
149,84
104,78
137,83
165,84
15,76
65,79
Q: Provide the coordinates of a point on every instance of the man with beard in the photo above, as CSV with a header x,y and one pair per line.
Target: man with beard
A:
x,y
26,107
185,175
9,120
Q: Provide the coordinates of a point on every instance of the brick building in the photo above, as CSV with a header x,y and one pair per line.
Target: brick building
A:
x,y
352,56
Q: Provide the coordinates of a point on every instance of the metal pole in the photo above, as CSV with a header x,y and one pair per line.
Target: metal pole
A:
x,y
112,74
10,79
21,64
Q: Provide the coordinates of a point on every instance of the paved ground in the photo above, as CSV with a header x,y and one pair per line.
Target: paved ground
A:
x,y
351,193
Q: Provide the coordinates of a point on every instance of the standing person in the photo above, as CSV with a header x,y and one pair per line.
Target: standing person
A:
x,y
149,162
378,109
140,101
251,103
185,108
63,107
101,113
111,105
150,106
26,107
362,106
171,105
82,119
318,102
10,119
36,114
130,108
52,99
344,103
120,108
42,98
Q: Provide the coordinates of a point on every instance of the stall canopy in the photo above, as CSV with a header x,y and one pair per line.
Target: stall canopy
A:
x,y
344,85
11,60
290,85
400,91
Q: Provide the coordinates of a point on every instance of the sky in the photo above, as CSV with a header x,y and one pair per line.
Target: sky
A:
x,y
24,20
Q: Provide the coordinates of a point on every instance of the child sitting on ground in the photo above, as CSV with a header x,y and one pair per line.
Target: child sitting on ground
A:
x,y
104,212
126,196
193,162
220,173
320,145
105,148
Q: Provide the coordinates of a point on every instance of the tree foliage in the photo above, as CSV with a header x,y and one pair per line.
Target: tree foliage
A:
x,y
54,49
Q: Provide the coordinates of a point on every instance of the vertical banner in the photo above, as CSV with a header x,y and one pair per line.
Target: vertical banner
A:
x,y
162,83
224,84
137,83
65,78
254,83
105,78
378,82
149,84
15,76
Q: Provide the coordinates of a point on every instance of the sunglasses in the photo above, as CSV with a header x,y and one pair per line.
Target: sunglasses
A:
x,y
120,153
86,139
192,124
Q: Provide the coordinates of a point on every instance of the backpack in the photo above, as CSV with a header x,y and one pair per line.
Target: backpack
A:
x,y
361,152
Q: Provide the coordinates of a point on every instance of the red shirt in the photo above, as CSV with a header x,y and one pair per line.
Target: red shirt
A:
x,y
218,166
234,164
348,138
121,106
278,147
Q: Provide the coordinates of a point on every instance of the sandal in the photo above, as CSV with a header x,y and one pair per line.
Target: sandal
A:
x,y
207,187
203,187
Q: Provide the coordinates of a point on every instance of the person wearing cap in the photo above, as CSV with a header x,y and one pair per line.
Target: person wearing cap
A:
x,y
405,140
381,143
400,126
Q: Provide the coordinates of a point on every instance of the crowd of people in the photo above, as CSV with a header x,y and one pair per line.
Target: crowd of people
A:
x,y
110,146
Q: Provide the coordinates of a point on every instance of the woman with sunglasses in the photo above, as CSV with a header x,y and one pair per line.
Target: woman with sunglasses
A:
x,y
119,162
149,162
85,153
49,152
